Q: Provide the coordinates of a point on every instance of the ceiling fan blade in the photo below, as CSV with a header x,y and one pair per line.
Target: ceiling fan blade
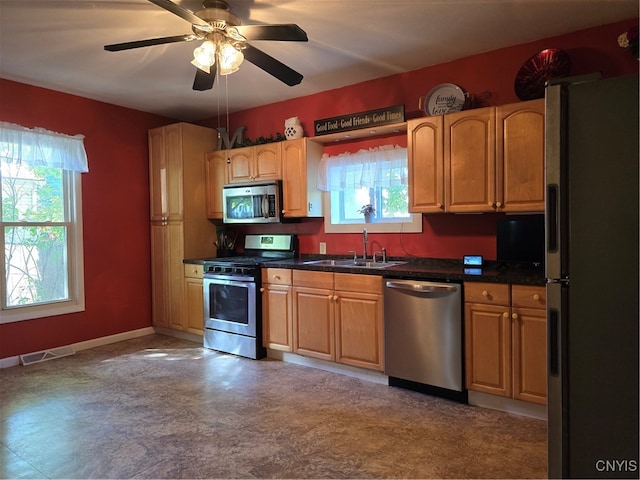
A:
x,y
182,12
204,80
272,66
116,47
286,32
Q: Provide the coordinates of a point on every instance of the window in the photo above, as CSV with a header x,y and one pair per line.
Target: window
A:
x,y
374,178
40,223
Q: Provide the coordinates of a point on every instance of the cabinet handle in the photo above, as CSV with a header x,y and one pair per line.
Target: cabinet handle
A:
x,y
335,298
491,204
277,277
330,297
439,205
514,316
283,211
498,204
485,293
505,314
262,290
536,297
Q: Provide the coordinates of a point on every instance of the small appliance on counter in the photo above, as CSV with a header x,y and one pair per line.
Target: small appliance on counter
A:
x,y
232,306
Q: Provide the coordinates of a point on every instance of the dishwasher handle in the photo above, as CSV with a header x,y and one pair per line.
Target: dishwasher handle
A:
x,y
423,288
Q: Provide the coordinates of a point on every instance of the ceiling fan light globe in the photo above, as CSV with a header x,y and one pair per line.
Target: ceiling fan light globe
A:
x,y
229,59
205,54
204,68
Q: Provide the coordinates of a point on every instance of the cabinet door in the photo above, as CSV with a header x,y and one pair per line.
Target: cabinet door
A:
x,y
359,328
294,178
469,152
159,283
277,323
174,172
157,175
488,348
300,159
241,165
520,157
175,275
268,163
215,174
426,165
194,305
530,355
313,326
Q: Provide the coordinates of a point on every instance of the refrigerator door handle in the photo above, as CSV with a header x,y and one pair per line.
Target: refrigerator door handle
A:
x,y
552,218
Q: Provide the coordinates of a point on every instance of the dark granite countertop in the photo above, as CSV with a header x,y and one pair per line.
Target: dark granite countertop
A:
x,y
418,269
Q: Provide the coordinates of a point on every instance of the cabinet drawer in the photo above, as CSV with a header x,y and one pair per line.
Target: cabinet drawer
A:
x,y
307,278
529,296
487,293
276,276
192,270
358,283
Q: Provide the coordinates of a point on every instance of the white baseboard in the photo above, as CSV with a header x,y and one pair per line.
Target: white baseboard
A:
x,y
94,342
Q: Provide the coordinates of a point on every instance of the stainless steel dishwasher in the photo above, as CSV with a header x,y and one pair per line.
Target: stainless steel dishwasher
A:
x,y
423,336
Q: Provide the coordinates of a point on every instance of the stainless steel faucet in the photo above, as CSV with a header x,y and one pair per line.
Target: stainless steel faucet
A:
x,y
364,243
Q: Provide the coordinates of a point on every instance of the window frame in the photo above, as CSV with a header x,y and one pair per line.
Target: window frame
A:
x,y
75,260
412,225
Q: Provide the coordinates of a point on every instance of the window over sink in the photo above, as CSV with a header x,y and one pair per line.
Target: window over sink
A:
x,y
367,188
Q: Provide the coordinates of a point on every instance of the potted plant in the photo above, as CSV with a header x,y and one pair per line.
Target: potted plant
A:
x,y
367,210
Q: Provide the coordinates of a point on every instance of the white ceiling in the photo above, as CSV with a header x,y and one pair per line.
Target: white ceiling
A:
x,y
59,44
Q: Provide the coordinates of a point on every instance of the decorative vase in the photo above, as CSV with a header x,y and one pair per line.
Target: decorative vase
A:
x,y
293,128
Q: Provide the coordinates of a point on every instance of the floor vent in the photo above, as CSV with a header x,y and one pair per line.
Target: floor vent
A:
x,y
37,357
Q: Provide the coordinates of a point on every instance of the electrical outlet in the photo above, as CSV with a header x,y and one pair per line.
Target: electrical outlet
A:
x,y
323,248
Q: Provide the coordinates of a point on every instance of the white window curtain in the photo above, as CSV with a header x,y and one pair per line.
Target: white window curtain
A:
x,y
40,147
384,166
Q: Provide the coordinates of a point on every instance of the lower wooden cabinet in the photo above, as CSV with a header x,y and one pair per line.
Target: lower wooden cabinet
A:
x,y
505,340
359,321
330,316
194,299
277,323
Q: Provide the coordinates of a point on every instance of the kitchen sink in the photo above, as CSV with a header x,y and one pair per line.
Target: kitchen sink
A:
x,y
350,263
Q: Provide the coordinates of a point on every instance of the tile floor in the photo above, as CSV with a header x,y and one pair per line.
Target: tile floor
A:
x,y
160,407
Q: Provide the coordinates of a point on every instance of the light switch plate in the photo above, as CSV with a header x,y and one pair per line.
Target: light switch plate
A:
x,y
323,248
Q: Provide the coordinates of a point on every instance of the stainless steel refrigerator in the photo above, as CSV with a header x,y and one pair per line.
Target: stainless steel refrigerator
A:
x,y
592,277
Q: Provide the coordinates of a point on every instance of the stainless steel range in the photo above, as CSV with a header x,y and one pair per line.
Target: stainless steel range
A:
x,y
232,305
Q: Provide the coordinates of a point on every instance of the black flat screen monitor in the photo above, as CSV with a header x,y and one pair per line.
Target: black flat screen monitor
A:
x,y
520,241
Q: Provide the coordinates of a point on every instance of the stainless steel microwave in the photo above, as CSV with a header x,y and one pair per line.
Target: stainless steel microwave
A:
x,y
252,202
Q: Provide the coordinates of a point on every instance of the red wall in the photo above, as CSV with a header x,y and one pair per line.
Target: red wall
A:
x,y
489,76
115,202
116,193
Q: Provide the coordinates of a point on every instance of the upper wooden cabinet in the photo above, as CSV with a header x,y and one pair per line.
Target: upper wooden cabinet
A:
x,y
469,158
255,163
484,160
216,177
300,160
426,164
520,157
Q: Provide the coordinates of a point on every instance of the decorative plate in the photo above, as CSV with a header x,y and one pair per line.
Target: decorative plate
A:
x,y
538,70
443,98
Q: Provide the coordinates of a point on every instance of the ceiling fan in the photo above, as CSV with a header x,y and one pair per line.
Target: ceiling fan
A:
x,y
224,42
